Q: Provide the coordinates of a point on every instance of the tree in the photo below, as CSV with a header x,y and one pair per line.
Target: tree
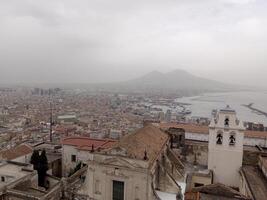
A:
x,y
35,159
42,169
43,161
40,164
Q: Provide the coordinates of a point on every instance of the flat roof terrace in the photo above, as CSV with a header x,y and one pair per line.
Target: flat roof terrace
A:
x,y
256,182
13,172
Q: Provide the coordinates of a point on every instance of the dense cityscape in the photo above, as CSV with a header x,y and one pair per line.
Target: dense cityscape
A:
x,y
75,133
133,100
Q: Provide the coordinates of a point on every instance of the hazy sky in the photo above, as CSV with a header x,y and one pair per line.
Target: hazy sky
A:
x,y
106,40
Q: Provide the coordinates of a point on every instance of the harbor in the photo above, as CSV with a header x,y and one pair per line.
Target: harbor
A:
x,y
255,110
240,101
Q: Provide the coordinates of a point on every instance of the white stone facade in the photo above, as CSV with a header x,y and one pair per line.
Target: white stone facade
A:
x,y
68,153
226,136
103,170
203,137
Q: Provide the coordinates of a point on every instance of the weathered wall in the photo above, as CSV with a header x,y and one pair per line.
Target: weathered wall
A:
x,y
196,153
67,152
99,181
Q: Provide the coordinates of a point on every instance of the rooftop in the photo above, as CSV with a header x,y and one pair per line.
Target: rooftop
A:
x,y
217,191
227,109
16,152
66,116
256,134
86,143
47,146
263,163
14,171
256,181
195,128
149,139
29,190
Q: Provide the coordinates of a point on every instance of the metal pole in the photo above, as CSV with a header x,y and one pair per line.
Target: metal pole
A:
x,y
51,121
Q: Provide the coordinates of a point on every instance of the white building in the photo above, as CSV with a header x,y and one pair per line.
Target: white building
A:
x,y
67,119
115,134
225,151
77,149
200,133
132,169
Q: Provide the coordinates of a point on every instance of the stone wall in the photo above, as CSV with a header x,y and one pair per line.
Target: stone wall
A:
x,y
196,153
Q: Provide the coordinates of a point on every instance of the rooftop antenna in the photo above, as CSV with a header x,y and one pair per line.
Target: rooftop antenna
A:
x,y
51,117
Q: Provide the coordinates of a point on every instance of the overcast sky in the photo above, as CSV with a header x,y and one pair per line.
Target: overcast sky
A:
x,y
107,40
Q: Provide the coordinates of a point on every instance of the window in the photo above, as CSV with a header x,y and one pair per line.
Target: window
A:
x,y
226,122
219,138
232,139
73,158
3,179
118,190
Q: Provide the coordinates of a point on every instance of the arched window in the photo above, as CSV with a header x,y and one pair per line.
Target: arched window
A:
x,y
226,122
219,138
232,139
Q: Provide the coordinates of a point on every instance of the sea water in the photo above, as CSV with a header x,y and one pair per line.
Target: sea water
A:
x,y
203,105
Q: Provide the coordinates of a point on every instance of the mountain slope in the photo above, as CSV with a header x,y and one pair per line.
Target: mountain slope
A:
x,y
177,79
174,81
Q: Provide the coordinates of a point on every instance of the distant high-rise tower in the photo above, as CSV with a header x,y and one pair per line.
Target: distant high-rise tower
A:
x,y
226,135
168,115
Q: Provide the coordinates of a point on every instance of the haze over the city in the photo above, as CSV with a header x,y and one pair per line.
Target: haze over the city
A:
x,y
103,41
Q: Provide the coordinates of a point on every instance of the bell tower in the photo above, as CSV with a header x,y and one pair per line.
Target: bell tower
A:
x,y
226,135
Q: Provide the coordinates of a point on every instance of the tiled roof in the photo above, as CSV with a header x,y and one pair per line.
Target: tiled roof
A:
x,y
149,138
16,152
256,134
194,128
86,143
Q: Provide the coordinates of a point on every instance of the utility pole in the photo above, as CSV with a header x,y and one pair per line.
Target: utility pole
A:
x,y
51,121
51,116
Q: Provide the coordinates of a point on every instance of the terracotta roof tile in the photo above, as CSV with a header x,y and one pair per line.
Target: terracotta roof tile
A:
x,y
256,134
194,128
150,139
85,143
16,152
